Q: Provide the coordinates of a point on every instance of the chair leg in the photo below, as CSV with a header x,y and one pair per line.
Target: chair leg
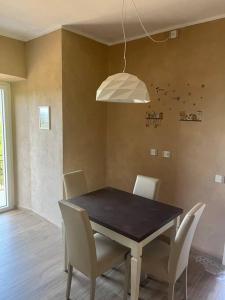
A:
x,y
185,291
92,290
69,279
171,291
65,248
127,277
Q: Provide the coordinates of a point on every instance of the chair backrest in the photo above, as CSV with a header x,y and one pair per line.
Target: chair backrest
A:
x,y
79,238
147,187
179,255
74,184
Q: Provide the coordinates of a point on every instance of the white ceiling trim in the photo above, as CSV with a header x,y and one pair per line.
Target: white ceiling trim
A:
x,y
12,36
102,41
166,29
36,35
136,37
44,32
89,36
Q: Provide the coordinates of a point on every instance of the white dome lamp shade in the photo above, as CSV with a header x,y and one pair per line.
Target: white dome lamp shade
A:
x,y
123,88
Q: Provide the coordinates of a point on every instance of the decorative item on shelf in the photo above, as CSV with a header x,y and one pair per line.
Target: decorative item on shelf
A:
x,y
153,118
194,117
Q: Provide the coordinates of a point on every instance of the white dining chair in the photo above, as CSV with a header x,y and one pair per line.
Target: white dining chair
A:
x,y
167,264
74,184
147,187
90,254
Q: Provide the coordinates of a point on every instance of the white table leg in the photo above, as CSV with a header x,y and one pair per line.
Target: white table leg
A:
x,y
135,273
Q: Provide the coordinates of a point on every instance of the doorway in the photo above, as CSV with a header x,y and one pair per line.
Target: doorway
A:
x,y
6,161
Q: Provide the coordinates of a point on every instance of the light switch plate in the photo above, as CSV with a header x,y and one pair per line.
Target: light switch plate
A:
x,y
219,179
166,154
153,152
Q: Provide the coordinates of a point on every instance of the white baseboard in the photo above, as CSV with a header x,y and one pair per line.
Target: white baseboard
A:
x,y
38,215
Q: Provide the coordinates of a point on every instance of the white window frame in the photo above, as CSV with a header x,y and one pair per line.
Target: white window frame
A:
x,y
8,147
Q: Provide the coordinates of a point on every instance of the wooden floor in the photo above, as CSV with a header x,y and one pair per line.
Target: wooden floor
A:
x,y
31,268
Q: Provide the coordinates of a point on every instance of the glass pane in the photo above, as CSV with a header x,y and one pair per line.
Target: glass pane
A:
x,y
3,198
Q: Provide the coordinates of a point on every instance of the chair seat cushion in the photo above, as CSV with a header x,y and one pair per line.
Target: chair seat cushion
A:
x,y
109,253
155,260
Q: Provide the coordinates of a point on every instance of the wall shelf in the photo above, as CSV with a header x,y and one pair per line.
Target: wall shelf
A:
x,y
153,118
148,118
191,117
191,120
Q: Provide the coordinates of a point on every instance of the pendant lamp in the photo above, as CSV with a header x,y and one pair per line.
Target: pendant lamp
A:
x,y
124,87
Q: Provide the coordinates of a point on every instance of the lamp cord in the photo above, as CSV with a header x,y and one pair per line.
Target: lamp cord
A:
x,y
124,34
144,29
123,18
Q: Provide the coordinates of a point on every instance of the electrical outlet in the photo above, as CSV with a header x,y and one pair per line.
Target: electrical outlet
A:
x,y
153,152
166,154
173,34
219,179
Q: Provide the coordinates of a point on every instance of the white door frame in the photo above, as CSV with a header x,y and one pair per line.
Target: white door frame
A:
x,y
8,146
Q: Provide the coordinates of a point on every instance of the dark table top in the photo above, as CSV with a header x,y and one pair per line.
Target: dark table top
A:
x,y
130,215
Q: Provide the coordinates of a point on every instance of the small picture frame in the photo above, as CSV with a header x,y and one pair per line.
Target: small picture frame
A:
x,y
44,117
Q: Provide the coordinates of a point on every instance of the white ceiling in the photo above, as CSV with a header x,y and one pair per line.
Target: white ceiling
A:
x,y
101,19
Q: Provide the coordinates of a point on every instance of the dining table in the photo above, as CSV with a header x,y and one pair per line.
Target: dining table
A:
x,y
130,220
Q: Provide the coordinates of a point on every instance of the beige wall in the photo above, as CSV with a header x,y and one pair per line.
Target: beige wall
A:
x,y
197,57
12,59
84,64
65,71
38,153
